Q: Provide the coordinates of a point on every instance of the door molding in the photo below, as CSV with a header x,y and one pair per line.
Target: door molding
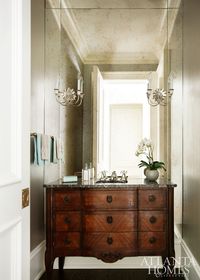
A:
x,y
11,232
15,149
10,224
13,172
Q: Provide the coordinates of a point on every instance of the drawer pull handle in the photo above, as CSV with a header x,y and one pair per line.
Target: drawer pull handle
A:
x,y
67,220
152,220
66,199
152,198
109,240
67,241
109,219
152,240
109,198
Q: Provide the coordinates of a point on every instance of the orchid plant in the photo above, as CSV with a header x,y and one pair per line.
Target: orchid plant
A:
x,y
145,148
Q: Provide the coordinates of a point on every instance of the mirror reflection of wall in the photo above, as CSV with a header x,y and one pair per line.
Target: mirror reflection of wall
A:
x,y
127,121
123,121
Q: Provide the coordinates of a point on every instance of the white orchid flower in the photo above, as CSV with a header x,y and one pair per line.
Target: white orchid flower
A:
x,y
145,147
147,142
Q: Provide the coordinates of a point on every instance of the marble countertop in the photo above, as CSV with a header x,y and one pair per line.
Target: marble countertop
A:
x,y
132,182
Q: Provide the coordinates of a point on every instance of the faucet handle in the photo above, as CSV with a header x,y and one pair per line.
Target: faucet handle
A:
x,y
114,175
124,175
103,174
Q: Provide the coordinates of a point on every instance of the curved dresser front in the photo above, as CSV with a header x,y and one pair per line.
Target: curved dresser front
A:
x,y
109,222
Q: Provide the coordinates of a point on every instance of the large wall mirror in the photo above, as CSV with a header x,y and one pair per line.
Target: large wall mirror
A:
x,y
118,46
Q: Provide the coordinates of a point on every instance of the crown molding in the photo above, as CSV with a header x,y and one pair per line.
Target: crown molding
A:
x,y
173,8
122,58
71,27
126,58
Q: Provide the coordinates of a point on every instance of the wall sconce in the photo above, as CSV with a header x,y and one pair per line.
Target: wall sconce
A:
x,y
160,96
70,96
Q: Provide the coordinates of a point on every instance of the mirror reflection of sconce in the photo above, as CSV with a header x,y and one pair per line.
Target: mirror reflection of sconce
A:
x,y
160,96
69,96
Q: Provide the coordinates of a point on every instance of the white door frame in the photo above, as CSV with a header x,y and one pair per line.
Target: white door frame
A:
x,y
15,134
97,121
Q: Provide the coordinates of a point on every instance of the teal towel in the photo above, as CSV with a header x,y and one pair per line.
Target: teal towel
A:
x,y
35,161
37,150
51,148
54,150
60,150
47,162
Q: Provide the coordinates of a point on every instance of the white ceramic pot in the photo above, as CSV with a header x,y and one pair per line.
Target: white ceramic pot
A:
x,y
152,175
145,170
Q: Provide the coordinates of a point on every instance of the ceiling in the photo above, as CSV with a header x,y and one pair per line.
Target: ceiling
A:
x,y
116,31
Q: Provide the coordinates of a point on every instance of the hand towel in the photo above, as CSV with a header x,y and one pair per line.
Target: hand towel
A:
x,y
35,160
54,150
49,160
37,150
45,147
60,149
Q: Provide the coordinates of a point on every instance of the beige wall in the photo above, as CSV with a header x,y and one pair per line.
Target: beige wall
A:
x,y
191,127
176,63
47,116
163,116
37,117
51,108
72,126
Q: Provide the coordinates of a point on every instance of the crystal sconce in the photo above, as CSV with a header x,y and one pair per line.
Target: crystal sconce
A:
x,y
160,96
69,96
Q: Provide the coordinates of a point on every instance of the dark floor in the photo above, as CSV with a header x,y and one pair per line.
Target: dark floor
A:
x,y
106,274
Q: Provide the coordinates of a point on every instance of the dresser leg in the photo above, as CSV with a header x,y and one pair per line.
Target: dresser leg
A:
x,y
61,263
48,264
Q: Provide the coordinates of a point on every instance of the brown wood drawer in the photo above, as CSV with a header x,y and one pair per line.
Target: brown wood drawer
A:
x,y
113,221
152,221
69,240
110,241
152,241
69,200
94,199
152,199
68,221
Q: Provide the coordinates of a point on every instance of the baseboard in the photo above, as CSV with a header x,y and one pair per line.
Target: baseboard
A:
x,y
37,261
194,269
178,235
38,268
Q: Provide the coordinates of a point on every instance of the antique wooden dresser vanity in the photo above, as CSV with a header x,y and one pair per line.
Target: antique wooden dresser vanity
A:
x,y
109,222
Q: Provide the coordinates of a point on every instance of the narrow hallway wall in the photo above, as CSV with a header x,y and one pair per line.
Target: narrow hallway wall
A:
x,y
191,131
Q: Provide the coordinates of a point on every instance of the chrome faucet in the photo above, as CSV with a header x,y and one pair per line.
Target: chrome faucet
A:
x,y
124,175
103,175
113,176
